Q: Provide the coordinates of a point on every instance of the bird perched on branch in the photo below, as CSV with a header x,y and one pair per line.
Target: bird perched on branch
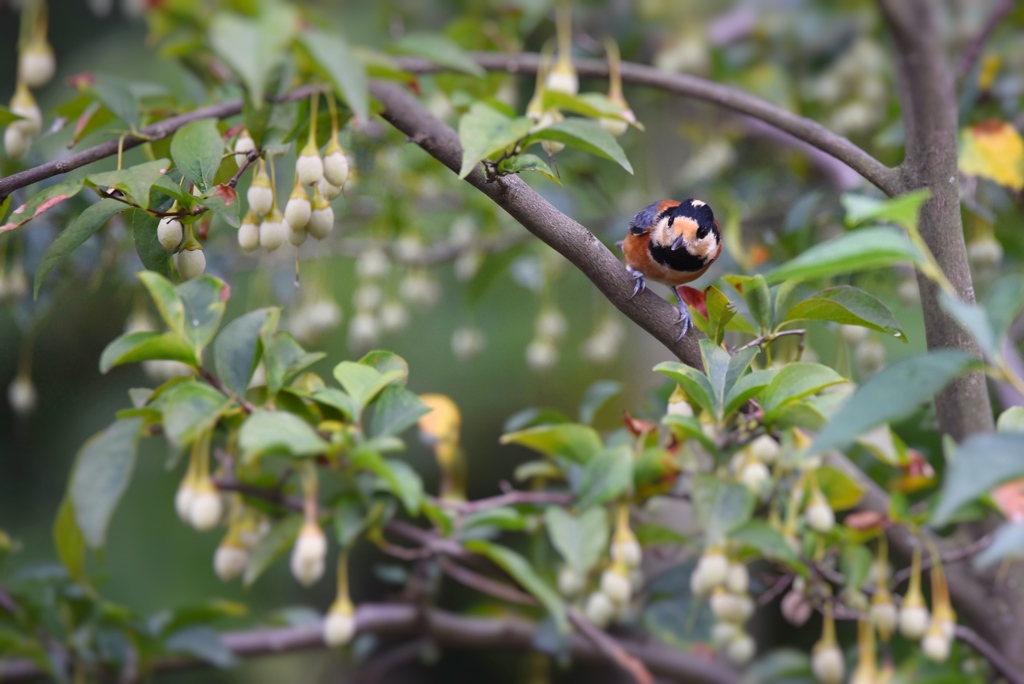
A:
x,y
672,243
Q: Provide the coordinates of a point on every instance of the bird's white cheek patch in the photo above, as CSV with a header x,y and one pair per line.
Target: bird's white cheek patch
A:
x,y
704,247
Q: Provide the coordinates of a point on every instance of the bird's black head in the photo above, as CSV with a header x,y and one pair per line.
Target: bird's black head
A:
x,y
701,214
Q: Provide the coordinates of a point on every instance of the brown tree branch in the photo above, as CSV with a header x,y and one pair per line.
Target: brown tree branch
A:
x,y
735,99
574,242
446,629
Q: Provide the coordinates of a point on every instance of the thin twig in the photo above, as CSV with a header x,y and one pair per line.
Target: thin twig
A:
x,y
509,499
973,52
247,406
770,338
771,593
605,643
951,556
485,585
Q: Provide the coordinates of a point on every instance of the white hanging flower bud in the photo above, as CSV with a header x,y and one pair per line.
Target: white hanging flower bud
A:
x,y
541,355
363,331
913,620
191,260
169,233
206,507
17,141
570,584
309,554
321,218
615,584
36,64
551,324
297,237
871,356
183,499
229,560
335,164
599,609
309,167
563,77
820,516
467,264
368,297
330,192
984,253
340,624
627,551
462,232
409,248
737,580
754,475
249,233
714,566
827,664
729,607
298,209
764,449
273,231
243,146
393,316
741,650
724,632
908,291
420,288
615,127
24,104
936,643
883,613
853,335
467,343
322,317
261,194
372,264
795,608
22,395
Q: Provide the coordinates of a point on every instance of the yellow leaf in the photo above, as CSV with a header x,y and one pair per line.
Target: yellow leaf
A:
x,y
993,150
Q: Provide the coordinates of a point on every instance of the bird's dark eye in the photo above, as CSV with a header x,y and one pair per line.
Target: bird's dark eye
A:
x,y
702,231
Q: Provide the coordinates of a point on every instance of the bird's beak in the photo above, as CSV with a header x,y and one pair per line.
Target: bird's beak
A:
x,y
678,243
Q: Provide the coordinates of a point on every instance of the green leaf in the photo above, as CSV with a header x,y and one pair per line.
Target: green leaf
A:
x,y
891,395
252,49
593,105
402,480
973,319
528,162
864,249
754,290
346,72
41,202
135,182
198,149
284,358
337,399
717,365
720,312
385,362
236,348
855,564
103,469
581,540
585,135
152,254
117,96
796,381
1004,302
440,50
71,238
277,432
204,300
69,542
597,396
748,386
7,117
694,383
653,534
522,572
167,301
201,642
1007,542
191,409
363,383
842,491
902,210
766,540
502,518
606,476
686,427
573,441
395,410
146,346
350,520
275,544
849,306
1011,420
485,131
721,507
981,463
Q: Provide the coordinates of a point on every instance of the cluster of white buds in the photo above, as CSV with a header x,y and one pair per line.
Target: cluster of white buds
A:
x,y
549,327
751,463
603,344
22,395
19,134
711,571
420,288
728,583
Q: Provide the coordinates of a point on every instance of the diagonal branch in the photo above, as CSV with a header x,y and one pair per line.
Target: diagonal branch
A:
x,y
735,99
567,237
445,629
973,51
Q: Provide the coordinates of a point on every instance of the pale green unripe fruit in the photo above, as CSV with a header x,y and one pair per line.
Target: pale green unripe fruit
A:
x,y
754,475
169,233
190,262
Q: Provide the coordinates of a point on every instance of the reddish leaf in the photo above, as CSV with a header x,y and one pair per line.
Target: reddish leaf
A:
x,y
82,80
865,520
227,193
637,426
1010,500
695,298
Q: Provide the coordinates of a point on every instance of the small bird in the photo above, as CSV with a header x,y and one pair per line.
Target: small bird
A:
x,y
672,243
